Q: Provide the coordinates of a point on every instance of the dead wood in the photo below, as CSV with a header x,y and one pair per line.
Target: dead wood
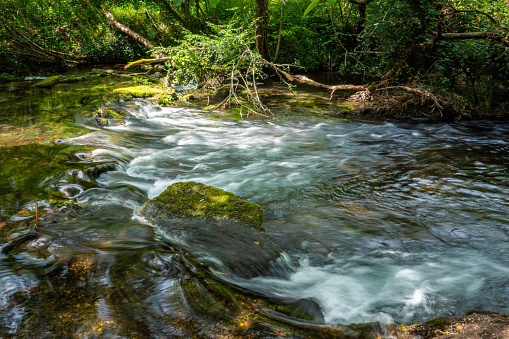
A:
x,y
403,98
302,79
392,100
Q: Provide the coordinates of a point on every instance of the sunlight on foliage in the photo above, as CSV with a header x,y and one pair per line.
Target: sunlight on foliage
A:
x,y
211,61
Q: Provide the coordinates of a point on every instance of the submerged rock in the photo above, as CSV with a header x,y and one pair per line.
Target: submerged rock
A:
x,y
49,82
215,227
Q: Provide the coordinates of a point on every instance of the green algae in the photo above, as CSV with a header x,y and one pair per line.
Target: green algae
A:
x,y
23,169
106,116
32,114
192,199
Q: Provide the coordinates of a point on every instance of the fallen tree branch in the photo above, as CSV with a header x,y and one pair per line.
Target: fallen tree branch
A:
x,y
302,79
126,30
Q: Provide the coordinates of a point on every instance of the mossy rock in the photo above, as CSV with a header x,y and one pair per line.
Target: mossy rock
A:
x,y
196,200
49,82
215,227
138,91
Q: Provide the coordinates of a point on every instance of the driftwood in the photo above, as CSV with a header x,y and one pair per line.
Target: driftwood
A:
x,y
405,97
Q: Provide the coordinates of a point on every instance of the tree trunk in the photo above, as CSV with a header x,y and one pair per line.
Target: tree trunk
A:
x,y
362,17
175,15
283,4
262,21
122,28
126,30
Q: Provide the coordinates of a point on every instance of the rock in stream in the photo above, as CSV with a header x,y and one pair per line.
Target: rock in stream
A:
x,y
215,227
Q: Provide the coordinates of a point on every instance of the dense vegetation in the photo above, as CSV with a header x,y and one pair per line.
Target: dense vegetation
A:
x,y
447,46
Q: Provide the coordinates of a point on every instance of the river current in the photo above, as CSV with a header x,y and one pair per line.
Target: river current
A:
x,y
382,221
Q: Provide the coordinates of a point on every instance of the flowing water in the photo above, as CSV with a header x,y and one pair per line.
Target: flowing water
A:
x,y
382,221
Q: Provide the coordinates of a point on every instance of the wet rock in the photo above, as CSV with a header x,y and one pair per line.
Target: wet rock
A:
x,y
88,175
105,116
215,227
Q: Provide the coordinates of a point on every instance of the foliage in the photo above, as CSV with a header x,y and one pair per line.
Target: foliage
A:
x,y
224,57
384,41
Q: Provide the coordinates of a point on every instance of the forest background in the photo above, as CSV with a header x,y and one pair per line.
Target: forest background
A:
x,y
456,49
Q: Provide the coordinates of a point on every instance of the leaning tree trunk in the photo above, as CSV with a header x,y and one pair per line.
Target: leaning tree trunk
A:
x,y
262,19
121,27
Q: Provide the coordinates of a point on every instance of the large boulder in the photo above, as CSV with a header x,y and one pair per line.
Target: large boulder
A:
x,y
215,227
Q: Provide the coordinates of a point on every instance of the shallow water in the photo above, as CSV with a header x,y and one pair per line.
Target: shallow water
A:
x,y
383,221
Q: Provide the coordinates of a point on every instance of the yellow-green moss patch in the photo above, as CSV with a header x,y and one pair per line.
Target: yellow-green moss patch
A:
x,y
196,200
140,62
49,82
138,91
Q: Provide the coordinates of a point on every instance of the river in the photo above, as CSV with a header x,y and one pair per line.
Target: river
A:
x,y
382,221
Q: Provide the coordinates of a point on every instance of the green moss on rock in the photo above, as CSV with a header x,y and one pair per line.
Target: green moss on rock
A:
x,y
49,82
215,227
72,80
138,91
192,199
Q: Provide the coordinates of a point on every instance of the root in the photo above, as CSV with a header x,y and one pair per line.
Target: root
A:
x,y
397,100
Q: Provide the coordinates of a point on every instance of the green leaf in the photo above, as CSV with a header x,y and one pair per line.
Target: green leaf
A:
x,y
332,2
213,3
177,2
311,6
